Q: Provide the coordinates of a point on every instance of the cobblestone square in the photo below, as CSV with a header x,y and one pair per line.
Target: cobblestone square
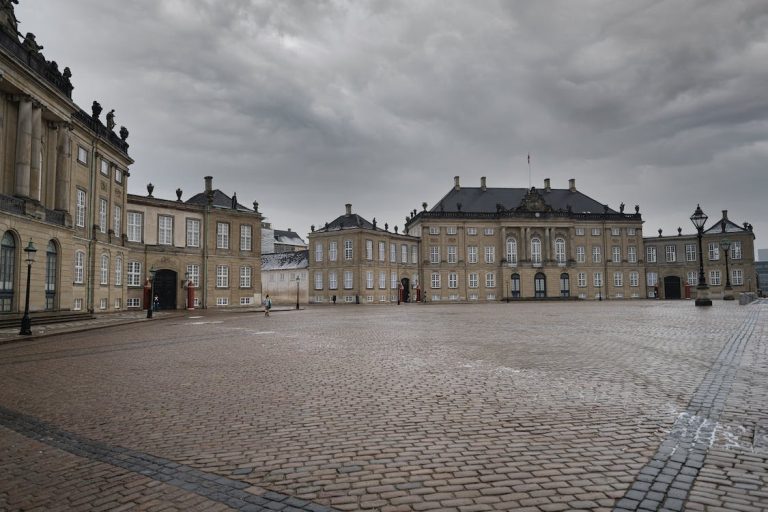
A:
x,y
529,406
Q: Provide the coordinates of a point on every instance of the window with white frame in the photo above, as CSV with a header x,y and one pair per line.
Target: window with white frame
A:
x,y
434,254
692,278
118,271
118,303
333,281
490,254
453,280
650,254
133,303
193,232
488,231
82,155
79,267
193,271
579,231
435,280
333,251
690,252
630,231
597,256
737,277
382,280
348,280
512,251
80,209
473,281
246,237
472,254
434,230
245,276
452,254
616,254
634,279
714,277
222,276
118,176
369,279
135,224
736,250
348,250
318,251
369,250
536,251
597,279
714,251
318,280
102,303
615,231
393,253
222,301
471,231
245,301
581,279
222,235
393,280
164,230
618,279
104,167
382,251
104,273
595,231
450,230
490,279
671,253
77,305
581,255
403,253
414,254
103,207
133,276
651,279
632,254
560,251
117,221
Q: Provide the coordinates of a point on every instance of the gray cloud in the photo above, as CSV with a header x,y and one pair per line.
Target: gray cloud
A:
x,y
305,106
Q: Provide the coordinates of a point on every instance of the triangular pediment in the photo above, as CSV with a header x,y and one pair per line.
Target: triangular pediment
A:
x,y
533,201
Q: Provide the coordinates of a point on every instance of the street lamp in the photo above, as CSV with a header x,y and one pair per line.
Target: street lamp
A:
x,y
26,322
699,218
727,294
298,277
151,304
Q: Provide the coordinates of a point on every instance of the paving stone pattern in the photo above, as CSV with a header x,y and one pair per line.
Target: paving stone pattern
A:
x,y
457,408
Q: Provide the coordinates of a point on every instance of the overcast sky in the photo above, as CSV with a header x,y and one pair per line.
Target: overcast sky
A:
x,y
306,105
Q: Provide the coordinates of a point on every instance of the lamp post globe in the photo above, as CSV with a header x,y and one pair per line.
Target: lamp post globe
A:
x,y
26,322
725,244
699,218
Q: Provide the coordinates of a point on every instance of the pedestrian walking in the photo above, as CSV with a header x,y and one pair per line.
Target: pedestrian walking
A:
x,y
156,303
267,305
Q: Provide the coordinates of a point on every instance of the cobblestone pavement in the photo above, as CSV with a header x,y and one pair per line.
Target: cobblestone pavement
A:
x,y
597,406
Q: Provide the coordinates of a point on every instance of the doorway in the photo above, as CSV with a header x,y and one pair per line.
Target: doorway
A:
x,y
165,288
672,288
406,289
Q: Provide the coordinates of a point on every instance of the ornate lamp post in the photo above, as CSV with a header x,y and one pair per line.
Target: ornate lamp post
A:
x,y
26,322
699,218
151,304
728,292
298,278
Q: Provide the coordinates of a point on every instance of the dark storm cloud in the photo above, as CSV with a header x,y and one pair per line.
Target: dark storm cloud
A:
x,y
307,105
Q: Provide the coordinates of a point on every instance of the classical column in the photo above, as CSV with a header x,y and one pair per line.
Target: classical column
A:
x,y
23,147
548,244
35,174
63,167
524,244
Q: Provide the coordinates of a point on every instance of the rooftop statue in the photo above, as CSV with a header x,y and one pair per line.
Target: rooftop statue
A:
x,y
8,21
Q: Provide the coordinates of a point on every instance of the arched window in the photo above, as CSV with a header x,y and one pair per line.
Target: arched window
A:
x,y
515,288
51,270
565,285
104,269
560,251
511,251
7,271
536,251
540,285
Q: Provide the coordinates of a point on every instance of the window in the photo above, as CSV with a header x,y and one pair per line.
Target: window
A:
x,y
580,254
597,256
618,279
403,253
245,237
382,251
135,225
616,254
414,254
393,280
104,167
634,279
245,301
318,280
164,230
473,280
118,303
488,231
560,251
597,279
450,230
511,251
245,276
671,253
318,251
632,254
736,250
490,279
536,251
333,251
453,280
222,276
222,301
78,305
579,231
222,235
193,233
133,303
348,250
540,285
565,285
382,280
434,230
690,252
80,209
471,231
435,280
737,277
104,273
490,254
82,155
133,277
369,250
652,279
714,251
515,287
102,303
118,178
630,231
118,271
117,225
472,254
581,279
693,278
650,254
51,270
714,277
369,279
103,207
434,254
615,231
348,281
79,267
595,231
194,275
452,249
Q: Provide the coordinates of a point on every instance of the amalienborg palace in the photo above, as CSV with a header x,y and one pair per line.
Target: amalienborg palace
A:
x,y
64,193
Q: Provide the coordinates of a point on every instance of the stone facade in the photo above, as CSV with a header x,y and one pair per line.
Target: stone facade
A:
x,y
279,274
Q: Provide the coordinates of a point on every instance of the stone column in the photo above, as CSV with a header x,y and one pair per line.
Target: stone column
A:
x,y
35,173
548,244
23,147
63,167
524,244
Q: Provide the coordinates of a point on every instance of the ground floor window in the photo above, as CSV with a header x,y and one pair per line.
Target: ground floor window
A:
x,y
540,285
222,301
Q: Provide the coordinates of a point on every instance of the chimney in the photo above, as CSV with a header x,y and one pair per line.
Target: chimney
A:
x,y
547,187
349,209
725,214
456,185
482,184
209,183
572,184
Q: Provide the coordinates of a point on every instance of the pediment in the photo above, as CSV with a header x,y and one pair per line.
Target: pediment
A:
x,y
533,201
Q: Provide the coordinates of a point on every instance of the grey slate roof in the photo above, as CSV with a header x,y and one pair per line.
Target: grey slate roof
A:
x,y
285,260
288,237
220,200
726,225
477,200
351,221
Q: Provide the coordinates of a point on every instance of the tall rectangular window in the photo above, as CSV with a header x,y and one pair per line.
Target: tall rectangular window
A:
x,y
452,252
737,277
581,279
651,279
104,167
135,225
736,250
616,254
453,280
164,230
490,254
671,253
392,253
690,252
632,254
403,254
382,251
714,251
79,267
82,155
393,280
693,278
650,254
472,254
104,269
194,275
435,280
333,281
596,254
318,251
80,209
714,277
348,280
318,280
490,280
103,207
597,279
634,279
333,250
133,276
222,276
369,279
118,271
245,276
246,237
193,233
618,279
369,250
434,254
222,235
473,281
348,250
117,224
382,280
414,254
581,256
